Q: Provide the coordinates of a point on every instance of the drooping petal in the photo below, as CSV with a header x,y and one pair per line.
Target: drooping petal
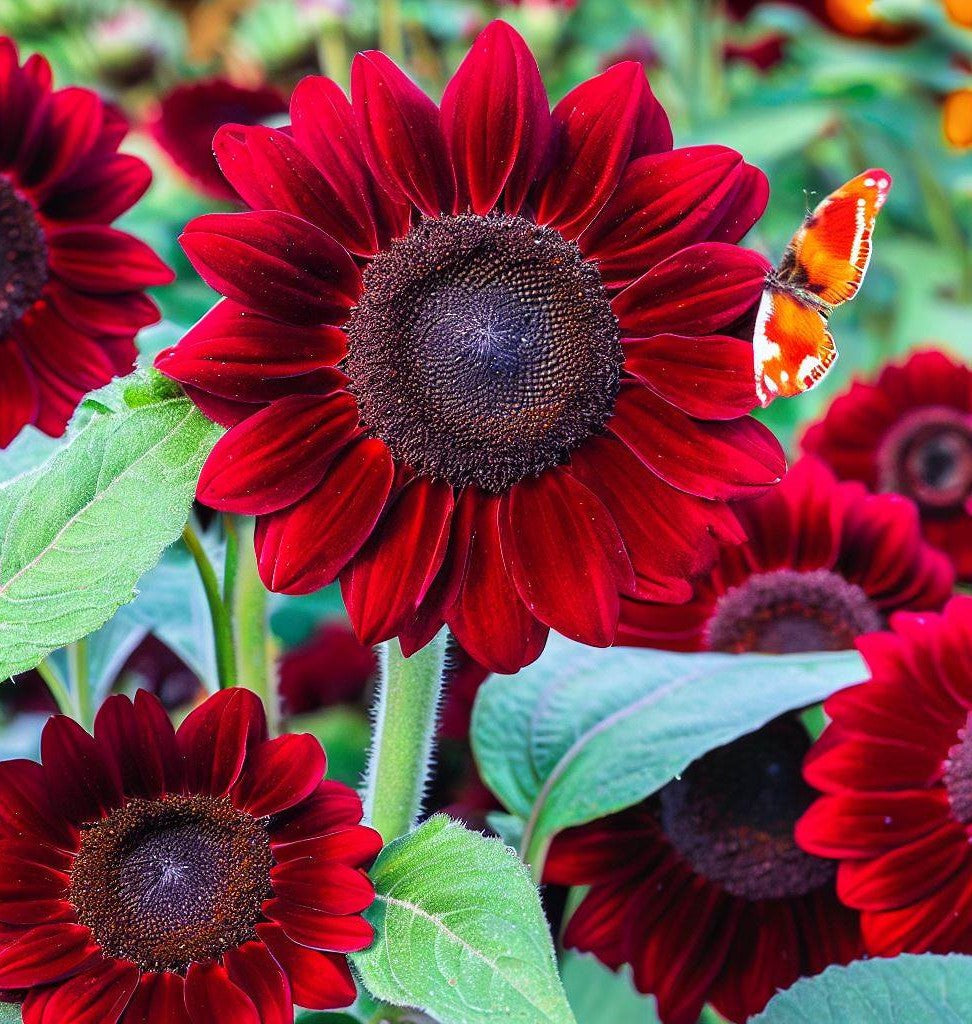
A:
x,y
319,981
97,996
496,119
274,263
279,774
159,999
331,807
253,969
45,954
211,996
102,260
276,456
334,933
322,885
304,547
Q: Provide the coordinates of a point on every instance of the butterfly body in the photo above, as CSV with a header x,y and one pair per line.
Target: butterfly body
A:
x,y
822,268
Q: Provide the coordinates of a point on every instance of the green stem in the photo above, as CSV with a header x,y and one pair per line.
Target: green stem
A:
x,y
222,624
404,730
81,681
58,689
254,655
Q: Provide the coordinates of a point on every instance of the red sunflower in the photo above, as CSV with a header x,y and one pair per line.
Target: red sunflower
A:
x,y
191,114
71,288
702,889
895,766
331,667
823,562
157,877
910,432
481,362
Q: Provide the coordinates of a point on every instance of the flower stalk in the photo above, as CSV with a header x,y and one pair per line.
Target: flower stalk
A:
x,y
406,712
218,610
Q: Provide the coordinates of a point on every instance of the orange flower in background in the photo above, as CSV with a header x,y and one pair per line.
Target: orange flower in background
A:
x,y
957,118
960,11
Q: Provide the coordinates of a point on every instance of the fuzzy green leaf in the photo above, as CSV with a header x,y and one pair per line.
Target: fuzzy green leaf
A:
x,y
582,733
903,990
78,532
460,933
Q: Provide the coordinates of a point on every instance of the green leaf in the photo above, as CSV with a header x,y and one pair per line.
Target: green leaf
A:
x,y
78,532
597,993
582,733
324,1018
459,932
10,1013
345,734
903,990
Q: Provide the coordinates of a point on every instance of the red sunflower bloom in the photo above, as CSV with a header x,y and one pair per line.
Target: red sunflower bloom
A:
x,y
895,766
71,288
702,888
332,667
823,562
161,877
190,115
910,432
482,362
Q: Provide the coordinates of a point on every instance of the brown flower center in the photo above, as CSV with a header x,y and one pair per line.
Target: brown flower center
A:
x,y
928,457
789,612
23,256
958,775
731,816
170,882
484,349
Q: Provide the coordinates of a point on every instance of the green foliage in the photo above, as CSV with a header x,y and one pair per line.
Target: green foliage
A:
x,y
10,1013
596,993
77,533
344,733
460,933
582,733
903,990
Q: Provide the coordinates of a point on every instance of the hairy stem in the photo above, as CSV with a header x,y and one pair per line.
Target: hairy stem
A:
x,y
404,730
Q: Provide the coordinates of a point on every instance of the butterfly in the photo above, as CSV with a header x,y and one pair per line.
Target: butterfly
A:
x,y
822,268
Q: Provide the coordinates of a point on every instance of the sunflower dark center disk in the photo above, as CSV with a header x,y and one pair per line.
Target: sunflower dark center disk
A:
x,y
731,816
484,349
929,458
166,883
789,612
958,775
23,256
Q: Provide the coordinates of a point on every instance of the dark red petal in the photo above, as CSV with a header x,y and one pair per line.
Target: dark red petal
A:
x,y
83,784
276,456
354,845
566,556
274,263
19,404
223,411
671,200
26,811
103,260
733,459
319,981
496,119
99,190
246,357
215,738
596,126
73,126
325,129
254,970
709,377
334,933
399,127
322,885
279,774
119,315
211,996
98,996
159,999
489,619
666,532
303,548
700,290
394,570
45,954
333,806
34,881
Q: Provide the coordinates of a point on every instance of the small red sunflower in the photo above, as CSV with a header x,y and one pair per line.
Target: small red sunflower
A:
x,y
702,888
331,667
895,767
823,562
191,114
160,877
72,293
910,432
484,362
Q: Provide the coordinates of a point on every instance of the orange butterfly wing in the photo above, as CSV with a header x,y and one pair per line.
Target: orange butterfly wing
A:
x,y
830,253
792,347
